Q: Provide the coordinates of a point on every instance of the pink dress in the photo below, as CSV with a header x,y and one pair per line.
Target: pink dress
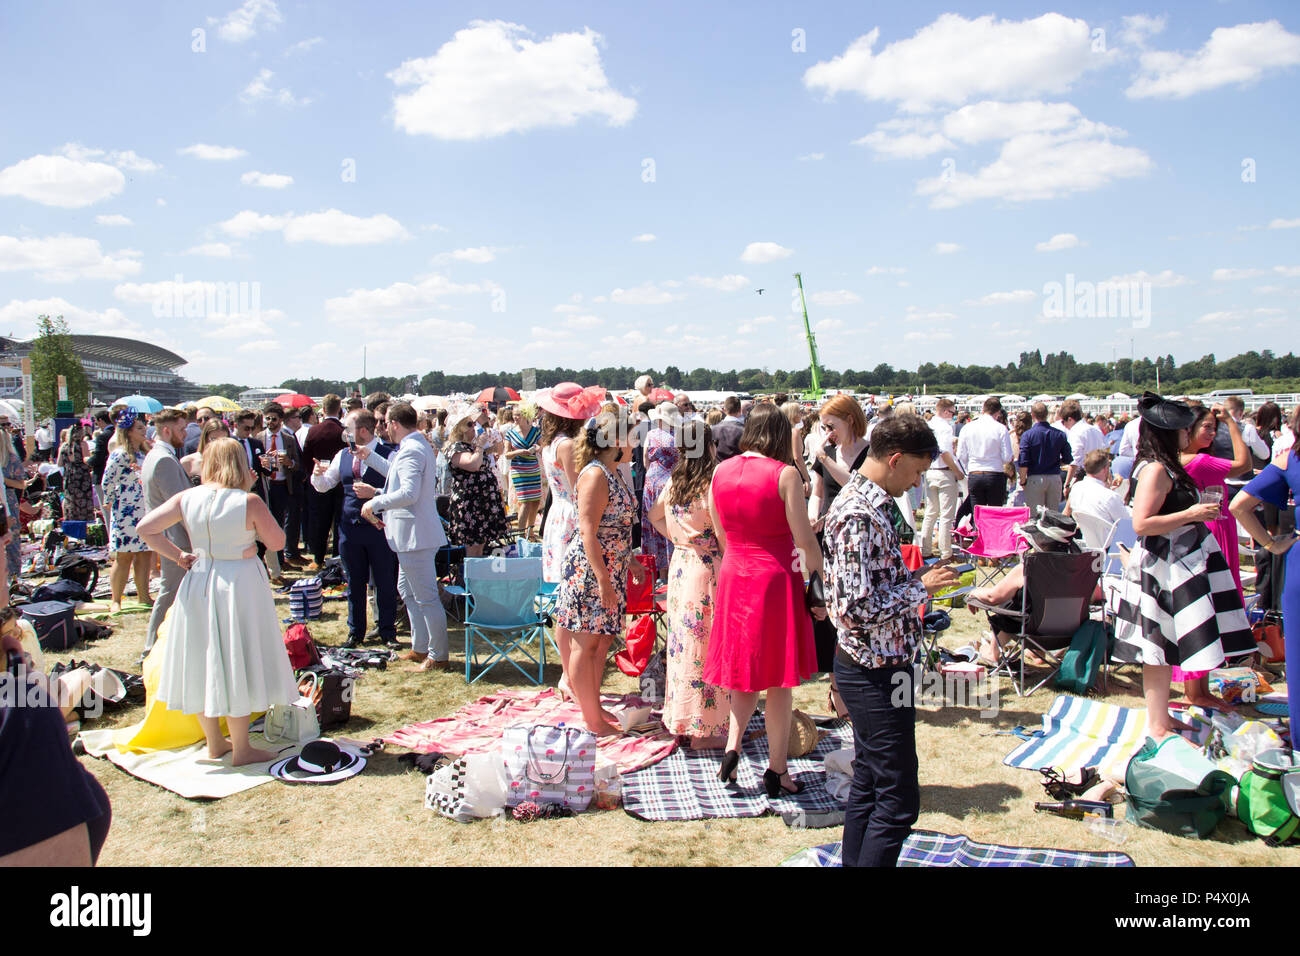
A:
x,y
1208,471
762,633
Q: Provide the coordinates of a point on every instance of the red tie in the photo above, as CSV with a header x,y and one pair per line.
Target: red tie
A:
x,y
356,467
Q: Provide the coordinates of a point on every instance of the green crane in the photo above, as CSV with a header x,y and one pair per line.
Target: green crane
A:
x,y
814,393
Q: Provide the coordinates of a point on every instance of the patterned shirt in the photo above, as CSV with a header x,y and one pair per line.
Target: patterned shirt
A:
x,y
871,597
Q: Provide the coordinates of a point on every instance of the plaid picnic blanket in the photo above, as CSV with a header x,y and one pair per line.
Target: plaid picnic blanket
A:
x,y
685,786
477,727
929,848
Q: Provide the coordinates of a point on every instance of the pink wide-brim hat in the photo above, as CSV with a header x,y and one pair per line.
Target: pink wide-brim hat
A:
x,y
571,400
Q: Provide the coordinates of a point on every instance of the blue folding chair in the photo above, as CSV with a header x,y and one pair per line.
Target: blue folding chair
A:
x,y
501,611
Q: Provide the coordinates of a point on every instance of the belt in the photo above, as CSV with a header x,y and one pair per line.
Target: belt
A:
x,y
1003,473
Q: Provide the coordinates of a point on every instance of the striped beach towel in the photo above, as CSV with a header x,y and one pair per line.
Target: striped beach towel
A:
x,y
1079,733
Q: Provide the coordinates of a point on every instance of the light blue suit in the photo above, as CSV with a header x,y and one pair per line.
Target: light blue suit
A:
x,y
409,508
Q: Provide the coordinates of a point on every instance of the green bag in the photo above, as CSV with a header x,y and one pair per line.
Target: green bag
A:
x,y
1172,786
1265,803
1082,663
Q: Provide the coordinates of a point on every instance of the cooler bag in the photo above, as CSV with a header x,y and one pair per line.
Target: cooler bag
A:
x,y
55,623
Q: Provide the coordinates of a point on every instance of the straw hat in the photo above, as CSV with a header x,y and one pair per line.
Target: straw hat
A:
x,y
667,414
803,734
571,400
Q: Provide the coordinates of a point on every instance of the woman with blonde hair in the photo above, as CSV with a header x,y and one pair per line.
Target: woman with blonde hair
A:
x,y
123,493
213,429
224,655
525,467
592,597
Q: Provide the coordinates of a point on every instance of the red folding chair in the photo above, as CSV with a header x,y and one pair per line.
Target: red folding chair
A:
x,y
995,540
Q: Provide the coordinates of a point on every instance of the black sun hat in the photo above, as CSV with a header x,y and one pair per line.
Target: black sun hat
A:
x,y
321,761
1163,413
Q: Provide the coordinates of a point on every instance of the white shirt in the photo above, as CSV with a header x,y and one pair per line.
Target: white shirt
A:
x,y
1128,445
1091,496
1250,435
942,428
984,445
1083,439
44,438
280,473
331,478
301,435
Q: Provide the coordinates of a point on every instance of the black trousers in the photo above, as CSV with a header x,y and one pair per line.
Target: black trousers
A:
x,y
277,499
983,489
293,524
326,511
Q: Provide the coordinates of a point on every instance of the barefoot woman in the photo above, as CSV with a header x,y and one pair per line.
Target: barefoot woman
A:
x,y
224,655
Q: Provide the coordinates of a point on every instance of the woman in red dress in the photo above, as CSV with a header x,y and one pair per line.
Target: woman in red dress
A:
x,y
762,638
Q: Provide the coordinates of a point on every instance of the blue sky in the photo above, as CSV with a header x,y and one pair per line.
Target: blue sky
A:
x,y
468,187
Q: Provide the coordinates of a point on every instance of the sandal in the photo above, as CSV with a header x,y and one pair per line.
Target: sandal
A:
x,y
1058,788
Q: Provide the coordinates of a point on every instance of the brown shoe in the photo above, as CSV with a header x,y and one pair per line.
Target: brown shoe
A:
x,y
277,581
311,567
430,664
411,656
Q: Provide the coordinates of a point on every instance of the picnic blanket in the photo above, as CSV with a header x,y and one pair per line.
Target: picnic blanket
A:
x,y
477,727
929,848
187,771
685,786
1079,733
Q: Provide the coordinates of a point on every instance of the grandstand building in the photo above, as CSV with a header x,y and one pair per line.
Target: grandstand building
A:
x,y
117,366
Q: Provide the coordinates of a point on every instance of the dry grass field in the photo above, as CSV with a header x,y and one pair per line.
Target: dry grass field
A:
x,y
377,818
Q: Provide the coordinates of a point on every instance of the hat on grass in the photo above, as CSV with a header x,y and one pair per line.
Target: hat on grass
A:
x,y
321,761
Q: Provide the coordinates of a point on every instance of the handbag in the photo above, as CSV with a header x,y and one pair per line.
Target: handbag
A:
x,y
547,764
470,787
294,723
632,660
815,594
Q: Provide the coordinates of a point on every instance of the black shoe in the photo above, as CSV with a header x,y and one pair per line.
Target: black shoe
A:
x,y
353,641
727,772
373,636
772,784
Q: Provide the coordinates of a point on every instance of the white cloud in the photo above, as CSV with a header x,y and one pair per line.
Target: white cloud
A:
x,y
478,255
727,283
990,120
20,316
645,294
1237,56
244,22
947,248
1034,166
260,345
812,157
217,250
759,253
1284,224
493,78
330,227
204,151
127,159
434,227
954,60
584,321
1228,275
259,89
936,336
65,258
914,314
905,139
1167,279
886,271
1291,272
567,307
117,219
1140,28
1004,298
1213,318
266,180
828,325
1062,240
644,237
630,338
302,46
400,299
838,297
60,181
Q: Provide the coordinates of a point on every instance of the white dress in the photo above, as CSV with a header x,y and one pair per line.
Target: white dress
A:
x,y
561,520
225,655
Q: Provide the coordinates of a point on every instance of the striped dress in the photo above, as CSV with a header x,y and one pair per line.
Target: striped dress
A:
x,y
1178,602
525,470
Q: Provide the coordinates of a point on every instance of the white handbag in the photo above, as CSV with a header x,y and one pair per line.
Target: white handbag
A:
x,y
470,787
294,723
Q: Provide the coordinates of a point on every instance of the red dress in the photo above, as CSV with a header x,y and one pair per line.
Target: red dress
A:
x,y
762,633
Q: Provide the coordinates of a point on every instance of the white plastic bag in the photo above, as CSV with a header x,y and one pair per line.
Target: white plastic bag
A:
x,y
469,788
839,773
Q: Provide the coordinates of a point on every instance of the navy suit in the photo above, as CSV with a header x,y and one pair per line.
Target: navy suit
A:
x,y
366,554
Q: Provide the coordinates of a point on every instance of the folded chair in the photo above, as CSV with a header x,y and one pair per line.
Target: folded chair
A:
x,y
995,540
1057,599
501,612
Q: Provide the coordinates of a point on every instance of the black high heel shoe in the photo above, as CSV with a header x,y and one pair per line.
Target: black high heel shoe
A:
x,y
772,784
727,772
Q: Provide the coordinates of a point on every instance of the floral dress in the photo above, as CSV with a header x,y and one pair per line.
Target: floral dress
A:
x,y
13,470
477,516
691,706
78,498
577,603
661,454
123,491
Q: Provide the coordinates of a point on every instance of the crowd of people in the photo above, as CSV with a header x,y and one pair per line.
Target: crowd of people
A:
x,y
774,530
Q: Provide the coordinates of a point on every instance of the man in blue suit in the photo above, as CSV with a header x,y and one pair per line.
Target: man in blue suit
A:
x,y
362,468
410,521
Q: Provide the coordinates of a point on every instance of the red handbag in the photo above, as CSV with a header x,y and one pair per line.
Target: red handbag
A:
x,y
632,660
1269,633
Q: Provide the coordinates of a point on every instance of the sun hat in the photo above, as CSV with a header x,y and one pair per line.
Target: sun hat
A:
x,y
321,761
667,413
459,413
571,400
1163,413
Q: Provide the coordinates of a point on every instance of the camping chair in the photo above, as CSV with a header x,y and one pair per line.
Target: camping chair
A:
x,y
1096,530
501,612
1057,600
995,540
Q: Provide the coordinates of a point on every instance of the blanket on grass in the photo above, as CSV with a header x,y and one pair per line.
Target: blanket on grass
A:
x,y
928,848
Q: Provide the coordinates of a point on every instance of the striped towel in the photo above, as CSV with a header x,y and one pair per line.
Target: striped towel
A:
x,y
1079,733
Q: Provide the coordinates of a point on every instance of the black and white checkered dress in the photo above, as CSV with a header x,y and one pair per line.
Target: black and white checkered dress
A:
x,y
1179,604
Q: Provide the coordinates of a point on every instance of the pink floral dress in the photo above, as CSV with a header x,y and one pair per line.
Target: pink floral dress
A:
x,y
691,706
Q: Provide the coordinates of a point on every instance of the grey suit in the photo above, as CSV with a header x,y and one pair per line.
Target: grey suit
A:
x,y
409,508
164,477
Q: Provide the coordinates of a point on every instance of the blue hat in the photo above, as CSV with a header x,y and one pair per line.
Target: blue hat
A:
x,y
126,418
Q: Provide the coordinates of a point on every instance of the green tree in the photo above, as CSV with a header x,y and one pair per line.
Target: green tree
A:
x,y
52,355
